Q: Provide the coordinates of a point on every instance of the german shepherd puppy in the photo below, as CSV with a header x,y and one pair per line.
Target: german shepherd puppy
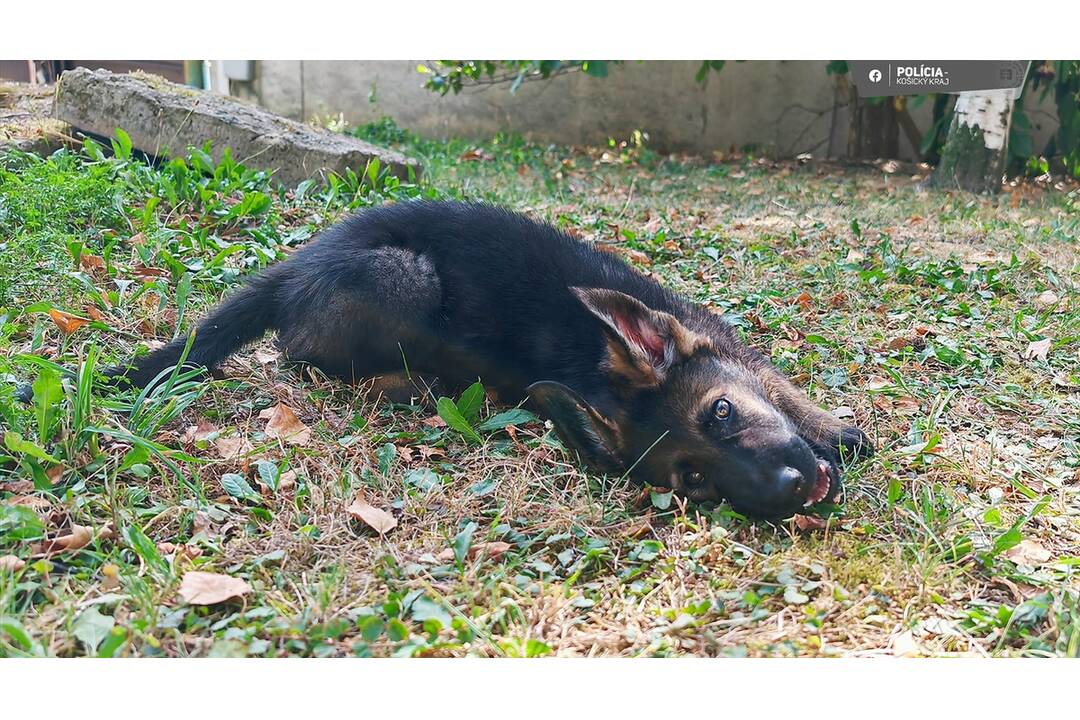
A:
x,y
634,378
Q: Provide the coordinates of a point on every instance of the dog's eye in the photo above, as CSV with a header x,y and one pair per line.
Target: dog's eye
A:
x,y
692,479
722,409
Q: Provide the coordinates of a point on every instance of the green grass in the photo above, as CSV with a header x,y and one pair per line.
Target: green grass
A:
x,y
921,315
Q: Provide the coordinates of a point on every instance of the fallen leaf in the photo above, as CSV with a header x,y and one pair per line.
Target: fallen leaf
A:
x,y
427,452
1046,299
36,503
91,263
876,382
905,405
810,522
1028,552
230,448
77,537
489,549
434,421
843,411
474,155
804,301
67,322
11,563
1038,350
283,424
287,481
378,520
148,273
207,588
905,645
266,358
199,432
181,550
17,486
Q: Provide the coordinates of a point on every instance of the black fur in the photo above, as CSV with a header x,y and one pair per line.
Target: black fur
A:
x,y
468,291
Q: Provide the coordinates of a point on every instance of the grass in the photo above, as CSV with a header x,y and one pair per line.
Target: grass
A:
x,y
924,316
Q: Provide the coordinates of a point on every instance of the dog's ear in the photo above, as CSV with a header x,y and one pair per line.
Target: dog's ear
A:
x,y
643,343
579,425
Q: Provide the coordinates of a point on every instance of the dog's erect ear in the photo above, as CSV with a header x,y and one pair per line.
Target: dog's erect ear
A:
x,y
579,425
642,343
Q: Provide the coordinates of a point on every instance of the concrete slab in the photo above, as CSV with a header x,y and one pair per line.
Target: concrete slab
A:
x,y
164,118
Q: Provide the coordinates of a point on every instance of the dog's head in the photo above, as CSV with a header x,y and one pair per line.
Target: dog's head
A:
x,y
689,417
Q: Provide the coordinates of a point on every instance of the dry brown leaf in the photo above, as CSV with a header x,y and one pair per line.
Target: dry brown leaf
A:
x,y
36,503
876,382
905,645
148,273
810,522
1046,299
474,155
207,588
1028,552
266,358
17,486
287,481
198,432
434,421
905,405
92,263
378,520
67,322
180,550
77,537
1039,349
11,563
804,301
230,448
283,424
427,452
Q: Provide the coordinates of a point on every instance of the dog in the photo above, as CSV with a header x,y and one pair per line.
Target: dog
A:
x,y
634,378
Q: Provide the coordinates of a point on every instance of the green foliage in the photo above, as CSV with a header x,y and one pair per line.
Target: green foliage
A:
x,y
451,76
1061,78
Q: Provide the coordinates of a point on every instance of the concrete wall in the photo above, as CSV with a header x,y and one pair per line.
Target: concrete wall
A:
x,y
783,107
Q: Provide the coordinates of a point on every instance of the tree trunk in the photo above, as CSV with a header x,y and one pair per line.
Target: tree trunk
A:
x,y
975,151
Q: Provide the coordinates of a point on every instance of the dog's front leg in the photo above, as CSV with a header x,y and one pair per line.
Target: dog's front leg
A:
x,y
822,430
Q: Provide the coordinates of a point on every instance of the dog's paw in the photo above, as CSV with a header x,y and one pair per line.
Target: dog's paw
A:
x,y
854,444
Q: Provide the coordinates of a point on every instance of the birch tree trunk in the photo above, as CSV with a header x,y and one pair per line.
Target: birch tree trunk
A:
x,y
975,151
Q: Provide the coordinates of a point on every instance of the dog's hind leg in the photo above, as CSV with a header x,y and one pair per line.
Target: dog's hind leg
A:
x,y
375,314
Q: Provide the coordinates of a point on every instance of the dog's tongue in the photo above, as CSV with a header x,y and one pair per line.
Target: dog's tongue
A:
x,y
821,484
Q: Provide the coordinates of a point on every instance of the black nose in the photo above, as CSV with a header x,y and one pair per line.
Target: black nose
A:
x,y
789,481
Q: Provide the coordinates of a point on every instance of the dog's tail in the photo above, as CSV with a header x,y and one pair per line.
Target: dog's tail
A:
x,y
243,317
